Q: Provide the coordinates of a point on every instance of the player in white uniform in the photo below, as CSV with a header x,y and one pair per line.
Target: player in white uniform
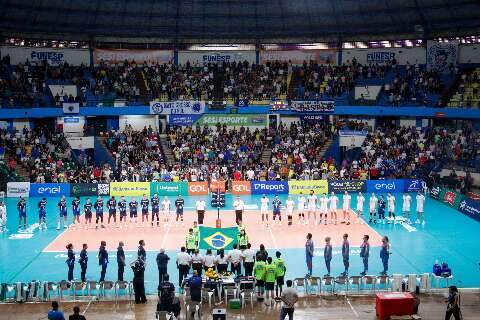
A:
x,y
391,207
289,206
407,200
301,208
324,208
166,204
420,207
3,217
360,202
264,208
312,206
346,207
373,207
333,206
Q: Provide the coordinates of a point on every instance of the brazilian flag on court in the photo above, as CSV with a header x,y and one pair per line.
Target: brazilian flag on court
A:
x,y
217,238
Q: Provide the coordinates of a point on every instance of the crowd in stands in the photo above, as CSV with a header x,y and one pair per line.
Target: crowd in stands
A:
x,y
468,91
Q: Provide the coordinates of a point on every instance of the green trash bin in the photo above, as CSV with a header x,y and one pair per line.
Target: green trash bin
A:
x,y
234,304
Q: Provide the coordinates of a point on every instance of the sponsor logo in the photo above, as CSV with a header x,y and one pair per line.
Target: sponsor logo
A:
x,y
380,57
435,192
218,240
52,56
346,185
216,186
216,58
241,187
269,187
470,208
385,185
259,187
450,197
103,189
49,189
197,188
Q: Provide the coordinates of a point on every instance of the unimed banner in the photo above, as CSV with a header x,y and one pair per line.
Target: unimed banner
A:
x,y
129,189
346,185
304,186
114,56
198,188
169,188
241,187
18,189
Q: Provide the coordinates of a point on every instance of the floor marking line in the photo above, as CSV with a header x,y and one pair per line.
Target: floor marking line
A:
x,y
55,239
360,217
408,227
88,306
352,308
166,235
273,237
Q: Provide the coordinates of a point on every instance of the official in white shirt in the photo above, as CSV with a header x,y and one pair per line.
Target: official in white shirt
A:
x,y
183,265
200,205
248,256
197,262
235,258
347,199
239,205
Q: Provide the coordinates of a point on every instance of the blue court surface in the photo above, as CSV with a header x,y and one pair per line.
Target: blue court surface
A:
x,y
447,236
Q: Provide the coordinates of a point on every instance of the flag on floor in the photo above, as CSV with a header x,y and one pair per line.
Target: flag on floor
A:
x,y
217,238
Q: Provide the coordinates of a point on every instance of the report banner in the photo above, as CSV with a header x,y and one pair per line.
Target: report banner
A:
x,y
129,189
304,186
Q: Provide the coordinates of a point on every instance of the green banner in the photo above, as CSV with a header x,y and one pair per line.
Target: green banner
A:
x,y
217,238
452,198
234,120
169,188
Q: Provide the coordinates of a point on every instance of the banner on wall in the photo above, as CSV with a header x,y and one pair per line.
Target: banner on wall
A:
x,y
177,107
129,189
452,198
368,93
115,56
304,186
216,185
202,57
169,188
313,106
297,57
414,185
53,56
385,55
49,189
307,119
81,143
436,192
470,207
269,187
198,188
440,55
351,138
233,120
183,119
384,186
346,185
83,189
18,189
241,187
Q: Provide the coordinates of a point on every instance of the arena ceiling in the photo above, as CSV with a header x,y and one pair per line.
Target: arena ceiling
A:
x,y
237,21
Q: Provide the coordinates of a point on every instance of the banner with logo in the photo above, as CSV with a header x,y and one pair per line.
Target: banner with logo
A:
x,y
368,93
198,188
53,56
83,189
234,120
346,185
202,57
103,189
177,107
81,143
18,189
304,186
49,189
414,185
440,55
470,207
241,187
217,238
351,138
452,198
116,56
436,192
217,185
311,119
313,106
385,55
129,189
384,186
169,188
269,187
297,57
185,120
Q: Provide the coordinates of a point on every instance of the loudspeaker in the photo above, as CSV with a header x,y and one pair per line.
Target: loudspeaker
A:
x,y
219,314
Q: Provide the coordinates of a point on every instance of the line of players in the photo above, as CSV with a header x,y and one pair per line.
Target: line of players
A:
x,y
133,206
325,205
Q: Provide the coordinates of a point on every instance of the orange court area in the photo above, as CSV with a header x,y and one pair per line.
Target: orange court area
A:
x,y
171,235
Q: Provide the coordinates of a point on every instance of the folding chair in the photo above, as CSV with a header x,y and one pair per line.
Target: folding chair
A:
x,y
192,305
356,281
383,281
247,295
207,294
328,281
63,286
300,282
425,284
94,286
78,286
126,287
314,282
162,315
229,290
342,281
107,285
369,281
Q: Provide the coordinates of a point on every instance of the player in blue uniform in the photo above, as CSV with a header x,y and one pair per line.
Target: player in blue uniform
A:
x,y
155,208
87,208
277,204
42,213
70,261
122,207
144,204
179,203
62,218
99,212
76,210
112,209
83,261
133,205
22,213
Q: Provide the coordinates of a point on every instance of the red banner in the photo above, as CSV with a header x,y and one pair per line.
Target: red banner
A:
x,y
241,187
197,188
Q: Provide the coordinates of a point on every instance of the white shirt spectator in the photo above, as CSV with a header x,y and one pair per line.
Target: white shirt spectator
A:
x,y
183,258
209,260
238,204
248,255
234,256
200,205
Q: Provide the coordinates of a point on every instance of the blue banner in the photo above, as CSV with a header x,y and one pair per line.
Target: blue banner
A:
x,y
183,119
414,185
49,189
177,107
384,186
241,102
269,187
470,208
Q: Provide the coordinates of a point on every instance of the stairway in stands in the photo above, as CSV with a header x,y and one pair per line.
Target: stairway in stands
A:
x,y
295,80
218,82
266,156
167,151
142,85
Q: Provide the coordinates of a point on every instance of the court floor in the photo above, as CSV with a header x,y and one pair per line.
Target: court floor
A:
x,y
447,236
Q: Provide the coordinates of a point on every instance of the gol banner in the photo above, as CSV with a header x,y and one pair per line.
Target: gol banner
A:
x,y
241,187
129,189
197,188
304,186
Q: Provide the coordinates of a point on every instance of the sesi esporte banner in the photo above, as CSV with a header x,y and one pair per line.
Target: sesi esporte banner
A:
x,y
18,189
304,186
269,187
49,189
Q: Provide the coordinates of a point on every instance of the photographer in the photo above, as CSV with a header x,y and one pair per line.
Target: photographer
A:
x,y
138,267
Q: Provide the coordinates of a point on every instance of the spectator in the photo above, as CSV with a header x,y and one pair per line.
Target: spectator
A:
x,y
55,314
162,263
76,314
289,297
